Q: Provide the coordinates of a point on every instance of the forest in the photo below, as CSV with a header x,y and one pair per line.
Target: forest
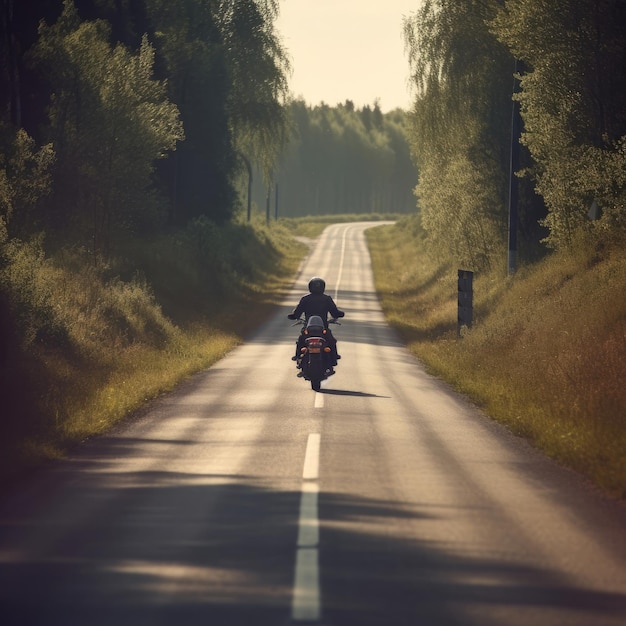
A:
x,y
141,139
125,127
133,118
518,103
129,117
342,160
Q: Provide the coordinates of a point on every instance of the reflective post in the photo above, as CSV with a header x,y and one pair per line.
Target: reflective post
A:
x,y
466,297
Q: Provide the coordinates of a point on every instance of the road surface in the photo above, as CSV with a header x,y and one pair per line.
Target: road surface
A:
x,y
247,498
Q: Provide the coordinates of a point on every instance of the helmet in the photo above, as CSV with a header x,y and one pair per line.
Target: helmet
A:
x,y
317,285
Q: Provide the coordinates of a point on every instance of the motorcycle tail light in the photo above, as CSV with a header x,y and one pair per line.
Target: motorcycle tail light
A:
x,y
315,343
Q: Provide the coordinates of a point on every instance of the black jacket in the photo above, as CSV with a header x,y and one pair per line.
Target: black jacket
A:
x,y
316,304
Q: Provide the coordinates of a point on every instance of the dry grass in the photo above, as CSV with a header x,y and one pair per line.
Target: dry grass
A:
x,y
546,355
91,347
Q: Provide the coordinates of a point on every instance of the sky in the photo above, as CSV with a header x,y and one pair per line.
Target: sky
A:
x,y
347,50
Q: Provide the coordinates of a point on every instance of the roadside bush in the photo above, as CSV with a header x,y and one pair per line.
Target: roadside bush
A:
x,y
86,344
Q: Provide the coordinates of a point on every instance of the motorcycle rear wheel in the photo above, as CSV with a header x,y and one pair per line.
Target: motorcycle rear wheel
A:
x,y
316,385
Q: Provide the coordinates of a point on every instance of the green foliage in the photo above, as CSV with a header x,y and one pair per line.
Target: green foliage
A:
x,y
231,256
198,178
459,210
258,68
109,121
460,127
94,342
573,100
343,160
25,279
25,178
227,72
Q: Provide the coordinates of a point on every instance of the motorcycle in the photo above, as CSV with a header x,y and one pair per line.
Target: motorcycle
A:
x,y
314,357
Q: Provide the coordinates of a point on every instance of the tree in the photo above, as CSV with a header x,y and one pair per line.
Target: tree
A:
x,y
128,19
198,177
258,68
109,121
573,102
226,71
25,178
460,126
23,92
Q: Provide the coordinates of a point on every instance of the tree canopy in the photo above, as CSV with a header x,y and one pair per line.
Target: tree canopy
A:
x,y
573,101
109,120
460,126
140,115
148,106
570,57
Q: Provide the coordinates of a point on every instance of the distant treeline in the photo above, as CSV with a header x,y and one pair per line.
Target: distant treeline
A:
x,y
569,57
342,160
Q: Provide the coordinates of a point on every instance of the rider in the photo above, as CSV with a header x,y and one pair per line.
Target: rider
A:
x,y
317,303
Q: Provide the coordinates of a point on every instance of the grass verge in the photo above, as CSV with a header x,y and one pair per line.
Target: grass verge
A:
x,y
88,345
547,352
84,345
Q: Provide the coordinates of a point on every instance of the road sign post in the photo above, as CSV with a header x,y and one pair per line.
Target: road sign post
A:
x,y
466,297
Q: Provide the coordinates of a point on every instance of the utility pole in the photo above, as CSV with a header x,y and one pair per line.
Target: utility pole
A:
x,y
516,125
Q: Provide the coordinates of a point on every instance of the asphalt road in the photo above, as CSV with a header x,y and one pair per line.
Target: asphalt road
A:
x,y
247,498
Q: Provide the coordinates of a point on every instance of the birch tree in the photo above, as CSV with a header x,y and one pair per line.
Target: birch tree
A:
x,y
460,126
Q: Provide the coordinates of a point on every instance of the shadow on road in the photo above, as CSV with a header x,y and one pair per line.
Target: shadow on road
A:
x,y
159,547
356,394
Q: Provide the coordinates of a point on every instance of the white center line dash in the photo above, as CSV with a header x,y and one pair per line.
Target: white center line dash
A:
x,y
306,602
310,470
